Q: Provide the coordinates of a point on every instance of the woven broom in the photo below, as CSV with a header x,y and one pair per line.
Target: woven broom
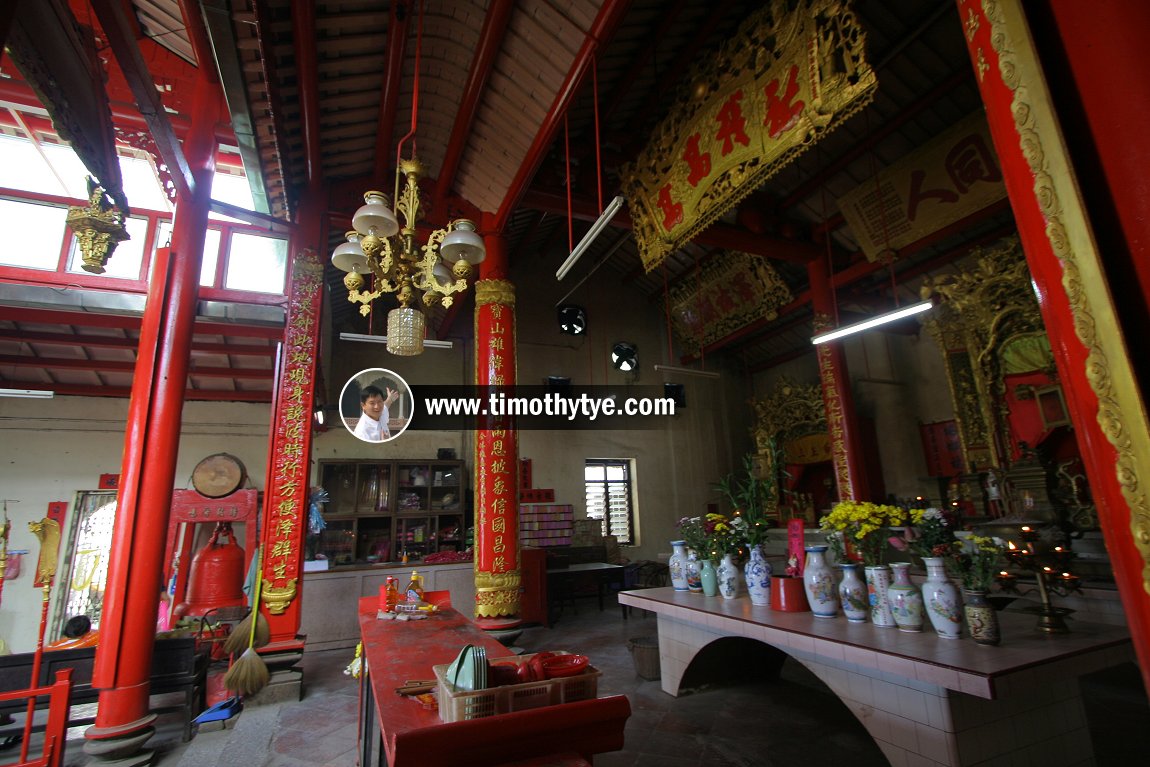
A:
x,y
249,674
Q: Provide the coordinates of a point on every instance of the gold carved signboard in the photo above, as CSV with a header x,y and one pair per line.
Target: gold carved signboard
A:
x,y
732,290
794,71
953,176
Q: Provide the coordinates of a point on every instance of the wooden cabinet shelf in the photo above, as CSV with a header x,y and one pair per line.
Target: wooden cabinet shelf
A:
x,y
377,510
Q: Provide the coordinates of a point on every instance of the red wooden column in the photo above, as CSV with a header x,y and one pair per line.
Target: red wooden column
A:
x,y
1076,178
136,566
497,575
846,451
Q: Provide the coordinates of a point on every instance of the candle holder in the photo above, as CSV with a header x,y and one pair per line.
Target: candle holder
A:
x,y
1051,574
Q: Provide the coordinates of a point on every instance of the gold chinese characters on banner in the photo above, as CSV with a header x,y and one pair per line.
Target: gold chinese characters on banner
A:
x,y
793,72
953,176
731,291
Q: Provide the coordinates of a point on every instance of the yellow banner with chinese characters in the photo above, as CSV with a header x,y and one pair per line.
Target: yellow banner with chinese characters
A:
x,y
731,290
942,182
771,92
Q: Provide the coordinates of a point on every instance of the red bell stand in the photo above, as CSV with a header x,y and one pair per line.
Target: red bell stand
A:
x,y
190,509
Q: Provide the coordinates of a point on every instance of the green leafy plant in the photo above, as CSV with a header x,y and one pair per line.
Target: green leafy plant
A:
x,y
752,498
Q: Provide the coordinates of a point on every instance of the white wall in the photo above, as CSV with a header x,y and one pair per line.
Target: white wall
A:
x,y
52,449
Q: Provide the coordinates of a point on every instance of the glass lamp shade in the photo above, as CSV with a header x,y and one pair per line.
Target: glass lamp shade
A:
x,y
405,332
349,256
442,274
375,216
462,243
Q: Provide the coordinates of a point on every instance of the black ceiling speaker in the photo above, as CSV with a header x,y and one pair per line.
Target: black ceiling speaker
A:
x,y
572,319
625,356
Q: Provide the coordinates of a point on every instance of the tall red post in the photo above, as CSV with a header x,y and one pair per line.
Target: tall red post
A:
x,y
497,574
135,568
846,449
1050,146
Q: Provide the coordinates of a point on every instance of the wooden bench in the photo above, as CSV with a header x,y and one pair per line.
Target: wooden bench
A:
x,y
177,666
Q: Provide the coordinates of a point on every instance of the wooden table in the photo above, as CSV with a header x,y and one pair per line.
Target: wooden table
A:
x,y
562,582
924,699
397,731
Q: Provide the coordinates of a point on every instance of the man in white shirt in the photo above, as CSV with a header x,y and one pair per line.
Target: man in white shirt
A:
x,y
372,426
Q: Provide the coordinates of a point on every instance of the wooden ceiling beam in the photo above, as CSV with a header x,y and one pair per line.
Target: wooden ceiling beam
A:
x,y
124,366
396,47
114,342
131,322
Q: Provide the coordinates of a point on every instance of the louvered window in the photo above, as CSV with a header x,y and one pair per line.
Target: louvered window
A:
x,y
608,485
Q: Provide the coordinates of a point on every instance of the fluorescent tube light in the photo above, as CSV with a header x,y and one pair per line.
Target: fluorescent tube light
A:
x,y
882,319
687,371
28,393
431,343
596,228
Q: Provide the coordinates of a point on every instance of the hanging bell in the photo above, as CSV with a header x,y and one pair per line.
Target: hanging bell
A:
x,y
216,577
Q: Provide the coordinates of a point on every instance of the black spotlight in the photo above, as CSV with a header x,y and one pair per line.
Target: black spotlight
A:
x,y
625,356
572,319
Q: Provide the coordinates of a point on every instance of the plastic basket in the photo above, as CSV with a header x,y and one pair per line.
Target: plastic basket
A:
x,y
459,705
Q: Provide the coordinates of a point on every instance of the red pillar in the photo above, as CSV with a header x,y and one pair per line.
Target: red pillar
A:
x,y
846,450
1076,177
135,571
497,574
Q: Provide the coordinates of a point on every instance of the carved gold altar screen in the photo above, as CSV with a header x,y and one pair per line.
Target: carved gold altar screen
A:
x,y
793,418
784,80
988,326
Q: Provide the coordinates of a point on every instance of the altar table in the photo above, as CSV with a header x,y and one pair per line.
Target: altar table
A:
x,y
924,699
397,731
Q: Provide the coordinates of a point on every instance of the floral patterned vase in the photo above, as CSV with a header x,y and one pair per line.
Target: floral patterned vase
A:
x,y
981,618
819,582
728,578
905,599
940,600
677,565
757,571
852,594
691,570
708,578
877,581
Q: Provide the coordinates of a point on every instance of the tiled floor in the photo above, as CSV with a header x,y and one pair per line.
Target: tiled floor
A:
x,y
746,722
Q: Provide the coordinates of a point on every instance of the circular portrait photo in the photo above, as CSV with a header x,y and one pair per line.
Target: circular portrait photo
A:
x,y
376,405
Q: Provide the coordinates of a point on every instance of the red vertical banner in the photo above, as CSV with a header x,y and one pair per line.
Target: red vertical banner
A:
x,y
285,498
497,575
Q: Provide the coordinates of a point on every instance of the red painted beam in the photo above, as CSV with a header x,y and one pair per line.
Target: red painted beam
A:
x,y
307,79
130,322
717,235
118,30
112,342
491,38
396,47
121,366
606,23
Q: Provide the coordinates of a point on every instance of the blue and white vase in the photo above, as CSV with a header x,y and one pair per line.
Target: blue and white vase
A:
x,y
728,578
691,570
708,578
819,582
852,593
677,565
757,571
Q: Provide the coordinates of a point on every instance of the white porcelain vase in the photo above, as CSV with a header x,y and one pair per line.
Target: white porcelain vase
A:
x,y
757,571
728,577
819,582
677,565
852,593
877,581
941,600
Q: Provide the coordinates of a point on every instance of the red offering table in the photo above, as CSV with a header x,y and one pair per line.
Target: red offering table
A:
x,y
397,731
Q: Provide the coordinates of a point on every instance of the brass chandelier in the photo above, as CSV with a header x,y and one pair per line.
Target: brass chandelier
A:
x,y
398,264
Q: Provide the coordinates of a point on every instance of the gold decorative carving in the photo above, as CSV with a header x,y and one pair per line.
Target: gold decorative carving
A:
x,y
790,426
730,291
277,599
985,307
794,71
99,228
47,530
1121,414
497,594
494,292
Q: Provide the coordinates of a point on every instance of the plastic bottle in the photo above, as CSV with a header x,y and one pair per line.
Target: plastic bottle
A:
x,y
415,587
392,593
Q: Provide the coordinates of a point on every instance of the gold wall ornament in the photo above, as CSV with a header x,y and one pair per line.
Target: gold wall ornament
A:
x,y
986,306
730,291
497,594
494,292
1121,415
47,531
795,71
277,598
98,227
790,421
